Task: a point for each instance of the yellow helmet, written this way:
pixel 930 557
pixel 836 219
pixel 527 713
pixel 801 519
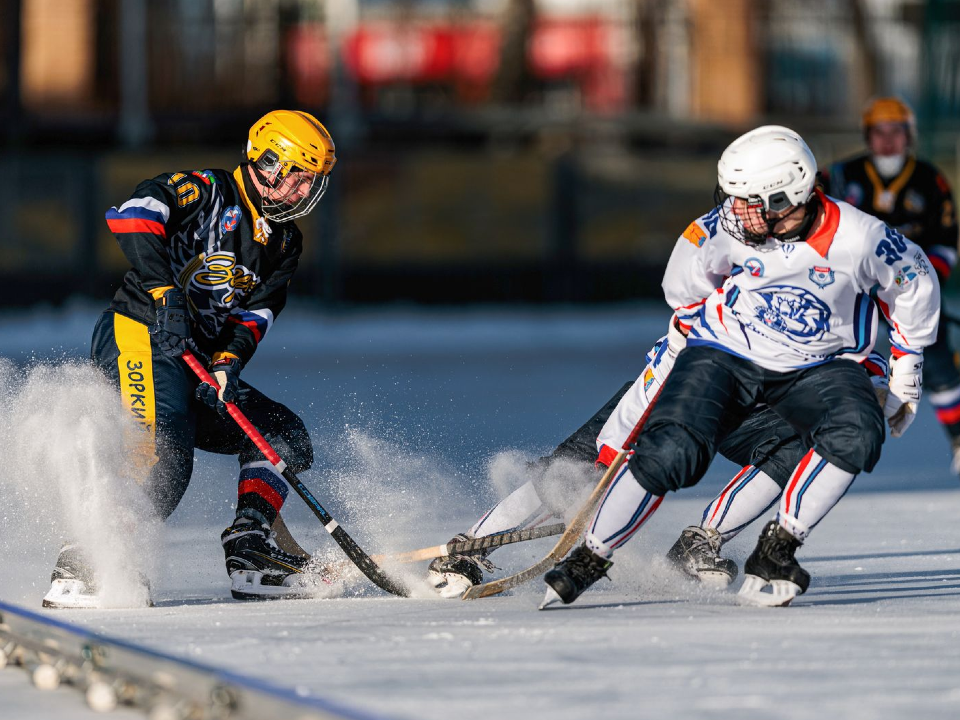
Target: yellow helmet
pixel 889 110
pixel 292 155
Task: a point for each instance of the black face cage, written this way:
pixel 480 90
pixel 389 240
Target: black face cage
pixel 733 225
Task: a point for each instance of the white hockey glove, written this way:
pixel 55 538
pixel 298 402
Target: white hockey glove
pixel 676 340
pixel 903 396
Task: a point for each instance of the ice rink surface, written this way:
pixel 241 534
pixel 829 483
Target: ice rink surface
pixel 420 420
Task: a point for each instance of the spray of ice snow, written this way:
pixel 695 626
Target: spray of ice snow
pixel 68 448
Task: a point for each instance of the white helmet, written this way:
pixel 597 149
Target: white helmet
pixel 772 164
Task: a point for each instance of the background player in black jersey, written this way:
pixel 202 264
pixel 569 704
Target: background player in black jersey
pixel 913 196
pixel 211 255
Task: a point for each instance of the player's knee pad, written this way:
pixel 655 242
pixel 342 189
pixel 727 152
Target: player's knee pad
pixel 778 458
pixel 290 440
pixel 669 457
pixel 852 437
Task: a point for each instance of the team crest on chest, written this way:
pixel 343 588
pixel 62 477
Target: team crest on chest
pixel 822 276
pixel 754 267
pixel 230 219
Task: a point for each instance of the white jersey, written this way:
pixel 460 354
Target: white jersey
pixel 803 303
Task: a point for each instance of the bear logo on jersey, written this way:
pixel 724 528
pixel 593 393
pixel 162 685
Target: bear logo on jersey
pixel 822 276
pixel 754 267
pixel 230 219
pixel 794 312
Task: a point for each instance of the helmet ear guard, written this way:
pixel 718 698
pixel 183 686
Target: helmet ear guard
pixel 268 162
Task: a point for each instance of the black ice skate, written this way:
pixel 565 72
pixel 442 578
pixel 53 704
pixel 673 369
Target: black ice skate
pixel 259 570
pixel 773 563
pixel 72 584
pixel 696 553
pixel 451 576
pixel 571 576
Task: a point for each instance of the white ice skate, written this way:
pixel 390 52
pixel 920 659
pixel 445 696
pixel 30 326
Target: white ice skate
pixel 775 593
pixel 72 594
pixel 772 577
pixel 255 585
pixel 72 584
pixel 453 575
pixel 260 570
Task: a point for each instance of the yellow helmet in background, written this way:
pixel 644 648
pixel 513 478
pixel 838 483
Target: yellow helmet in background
pixel 889 110
pixel 292 155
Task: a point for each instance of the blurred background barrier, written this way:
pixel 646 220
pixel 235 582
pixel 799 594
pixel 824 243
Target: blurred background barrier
pixel 490 150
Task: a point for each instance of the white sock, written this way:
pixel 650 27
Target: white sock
pixel 815 487
pixel 521 509
pixel 746 497
pixel 622 511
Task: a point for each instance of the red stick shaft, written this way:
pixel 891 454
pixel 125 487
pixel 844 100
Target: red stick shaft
pixel 268 452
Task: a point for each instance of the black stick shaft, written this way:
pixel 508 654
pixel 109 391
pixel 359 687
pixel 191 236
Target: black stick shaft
pixel 494 541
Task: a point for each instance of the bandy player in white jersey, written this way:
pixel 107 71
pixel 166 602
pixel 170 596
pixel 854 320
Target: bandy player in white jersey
pixel 767 448
pixel 771 289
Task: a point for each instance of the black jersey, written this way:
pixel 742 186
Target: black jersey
pixel 917 202
pixel 197 230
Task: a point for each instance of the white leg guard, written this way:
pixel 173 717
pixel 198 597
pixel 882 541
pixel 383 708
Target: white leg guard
pixel 816 486
pixel 745 498
pixel 521 509
pixel 622 511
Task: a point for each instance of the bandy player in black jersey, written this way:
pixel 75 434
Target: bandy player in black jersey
pixel 911 195
pixel 211 255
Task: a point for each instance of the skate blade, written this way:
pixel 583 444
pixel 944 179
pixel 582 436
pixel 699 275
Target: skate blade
pixel 754 592
pixel 248 585
pixel 714 580
pixel 69 595
pixel 549 598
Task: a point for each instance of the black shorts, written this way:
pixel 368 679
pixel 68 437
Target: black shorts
pixel 709 394
pixel 764 440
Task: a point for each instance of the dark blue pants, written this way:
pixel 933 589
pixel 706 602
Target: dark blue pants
pixel 160 392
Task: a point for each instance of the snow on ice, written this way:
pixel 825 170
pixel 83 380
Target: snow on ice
pixel 420 420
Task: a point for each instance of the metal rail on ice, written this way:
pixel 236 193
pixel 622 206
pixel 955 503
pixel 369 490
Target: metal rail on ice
pixel 111 671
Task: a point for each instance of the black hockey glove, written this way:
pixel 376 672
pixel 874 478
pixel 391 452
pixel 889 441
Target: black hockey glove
pixel 226 373
pixel 172 329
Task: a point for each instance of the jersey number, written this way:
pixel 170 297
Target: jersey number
pixel 187 192
pixel 891 247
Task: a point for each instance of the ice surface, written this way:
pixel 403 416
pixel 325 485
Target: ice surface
pixel 420 420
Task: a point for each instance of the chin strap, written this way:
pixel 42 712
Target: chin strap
pixel 799 233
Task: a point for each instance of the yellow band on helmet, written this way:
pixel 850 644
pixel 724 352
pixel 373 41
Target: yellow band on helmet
pixel 295 139
pixel 889 110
